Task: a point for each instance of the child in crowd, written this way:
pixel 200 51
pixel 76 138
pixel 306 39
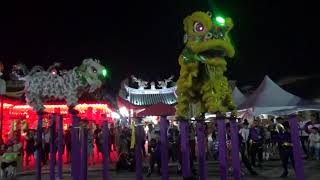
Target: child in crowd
pixel 8 162
pixel 314 143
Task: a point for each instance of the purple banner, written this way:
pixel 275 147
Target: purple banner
pixel 235 149
pixel 296 147
pixel 105 149
pixel 164 147
pixel 222 148
pixel 201 150
pixel 185 148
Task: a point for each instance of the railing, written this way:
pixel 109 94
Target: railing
pixel 79 151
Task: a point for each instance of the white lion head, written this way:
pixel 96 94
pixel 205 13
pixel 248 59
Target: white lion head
pixel 93 72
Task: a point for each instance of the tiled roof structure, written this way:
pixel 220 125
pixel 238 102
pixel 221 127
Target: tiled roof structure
pixel 147 97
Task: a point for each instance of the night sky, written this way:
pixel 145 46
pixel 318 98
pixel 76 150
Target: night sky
pixel 144 38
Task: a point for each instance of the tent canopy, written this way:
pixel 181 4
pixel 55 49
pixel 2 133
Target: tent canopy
pixel 238 96
pixel 271 97
pixel 293 110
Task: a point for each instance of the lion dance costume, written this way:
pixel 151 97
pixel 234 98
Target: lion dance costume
pixel 202 81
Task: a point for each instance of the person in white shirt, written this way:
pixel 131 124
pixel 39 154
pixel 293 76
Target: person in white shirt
pixel 314 143
pixel 151 134
pixel 244 132
pixel 313 122
pixel 303 134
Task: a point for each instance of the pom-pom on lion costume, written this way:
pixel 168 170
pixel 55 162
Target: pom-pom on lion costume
pixel 202 81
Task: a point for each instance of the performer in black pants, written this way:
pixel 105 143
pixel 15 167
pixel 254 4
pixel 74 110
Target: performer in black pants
pixel 284 146
pixel 244 158
pixel 255 138
pixel 155 156
pixel 242 148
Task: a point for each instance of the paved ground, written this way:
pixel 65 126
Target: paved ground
pixel 271 170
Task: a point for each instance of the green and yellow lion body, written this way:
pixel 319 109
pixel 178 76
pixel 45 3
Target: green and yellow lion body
pixel 202 81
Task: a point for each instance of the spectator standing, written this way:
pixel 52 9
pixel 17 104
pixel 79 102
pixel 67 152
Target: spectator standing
pixel 314 146
pixel 67 141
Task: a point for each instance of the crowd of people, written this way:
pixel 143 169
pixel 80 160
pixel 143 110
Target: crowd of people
pixel 265 140
pixel 259 141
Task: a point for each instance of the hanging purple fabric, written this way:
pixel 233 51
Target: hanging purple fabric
pixel 84 153
pixel 60 146
pixel 105 150
pixel 52 147
pixel 201 150
pixel 164 147
pixel 75 149
pixel 138 151
pixel 222 148
pixel 39 146
pixel 299 169
pixel 235 149
pixel 185 148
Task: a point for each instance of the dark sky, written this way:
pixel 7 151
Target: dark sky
pixel 145 37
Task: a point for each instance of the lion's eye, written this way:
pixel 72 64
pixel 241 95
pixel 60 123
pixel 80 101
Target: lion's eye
pixel 198 27
pixel 94 70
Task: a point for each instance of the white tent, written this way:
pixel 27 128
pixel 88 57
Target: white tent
pixel 270 97
pixel 238 96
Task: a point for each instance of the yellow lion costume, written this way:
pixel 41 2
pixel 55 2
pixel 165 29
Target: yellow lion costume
pixel 202 81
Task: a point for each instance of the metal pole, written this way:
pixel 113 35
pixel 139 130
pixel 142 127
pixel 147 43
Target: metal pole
pixel 84 153
pixel 138 151
pixel 201 150
pixel 164 148
pixel 60 146
pixel 235 149
pixel 222 148
pixel 185 148
pixel 75 149
pixel 39 146
pixel 296 147
pixel 52 147
pixel 105 149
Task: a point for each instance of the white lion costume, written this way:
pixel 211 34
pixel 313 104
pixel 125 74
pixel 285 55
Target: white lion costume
pixel 68 85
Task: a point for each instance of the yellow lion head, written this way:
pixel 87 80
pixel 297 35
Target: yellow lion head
pixel 207 37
